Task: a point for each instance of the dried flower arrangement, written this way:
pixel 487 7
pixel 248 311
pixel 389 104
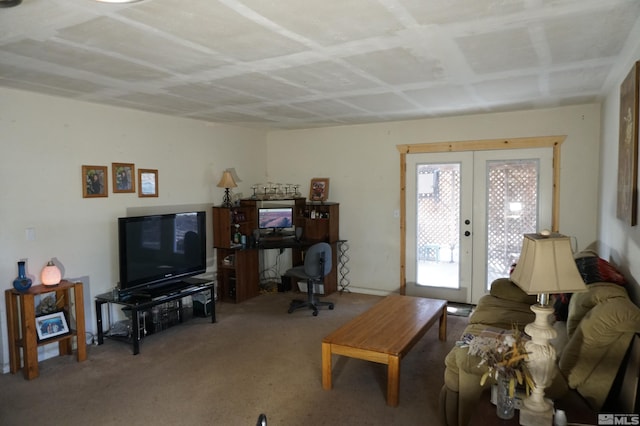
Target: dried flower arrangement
pixel 504 354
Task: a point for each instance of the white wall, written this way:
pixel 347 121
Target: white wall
pixel 619 242
pixel 44 141
pixel 363 165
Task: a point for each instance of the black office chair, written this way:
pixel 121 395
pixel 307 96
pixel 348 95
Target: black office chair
pixel 317 264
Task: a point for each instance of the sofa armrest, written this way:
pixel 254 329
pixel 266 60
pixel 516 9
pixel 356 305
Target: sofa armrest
pixel 592 357
pixel 501 313
pixel 504 288
pixel 583 302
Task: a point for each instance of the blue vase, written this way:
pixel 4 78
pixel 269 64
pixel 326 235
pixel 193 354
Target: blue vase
pixel 22 282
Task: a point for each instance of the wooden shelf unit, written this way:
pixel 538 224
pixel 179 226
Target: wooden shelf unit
pixel 21 325
pixel 321 221
pixel 238 279
pixel 233 264
pixel 225 219
pixel 237 273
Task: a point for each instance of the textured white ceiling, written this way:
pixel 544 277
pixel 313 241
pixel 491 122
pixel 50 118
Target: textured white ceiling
pixel 309 63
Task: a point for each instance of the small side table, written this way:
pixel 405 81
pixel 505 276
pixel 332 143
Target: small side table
pixel 21 325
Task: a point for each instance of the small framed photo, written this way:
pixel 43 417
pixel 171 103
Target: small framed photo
pixel 147 183
pixel 123 177
pixel 95 182
pixel 319 190
pixel 51 325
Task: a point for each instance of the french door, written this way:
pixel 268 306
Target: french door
pixel 466 213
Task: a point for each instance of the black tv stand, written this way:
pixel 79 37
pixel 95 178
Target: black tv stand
pixel 144 300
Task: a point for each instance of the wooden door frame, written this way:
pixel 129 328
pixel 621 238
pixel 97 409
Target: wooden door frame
pixel 475 145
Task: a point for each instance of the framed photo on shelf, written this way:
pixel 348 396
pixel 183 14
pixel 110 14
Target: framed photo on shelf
pixel 123 177
pixel 319 189
pixel 51 325
pixel 94 181
pixel 627 202
pixel 147 183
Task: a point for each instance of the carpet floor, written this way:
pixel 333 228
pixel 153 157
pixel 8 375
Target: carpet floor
pixel 255 359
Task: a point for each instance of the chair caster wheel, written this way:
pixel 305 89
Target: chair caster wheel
pixel 315 313
pixel 331 307
pixel 290 310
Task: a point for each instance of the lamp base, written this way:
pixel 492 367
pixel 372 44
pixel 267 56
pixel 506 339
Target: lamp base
pixel 226 200
pixel 536 409
pixel 531 417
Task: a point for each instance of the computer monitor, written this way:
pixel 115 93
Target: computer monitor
pixel 276 218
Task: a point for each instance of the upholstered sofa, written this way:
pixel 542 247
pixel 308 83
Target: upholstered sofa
pixel 592 340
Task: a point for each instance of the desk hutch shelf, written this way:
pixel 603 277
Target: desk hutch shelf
pixel 238 274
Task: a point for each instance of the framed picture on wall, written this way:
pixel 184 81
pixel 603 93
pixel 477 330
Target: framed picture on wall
pixel 627 203
pixel 319 189
pixel 147 183
pixel 51 325
pixel 123 177
pixel 94 181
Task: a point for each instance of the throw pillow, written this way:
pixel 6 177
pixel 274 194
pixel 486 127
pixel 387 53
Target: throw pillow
pixel 593 270
pixel 596 269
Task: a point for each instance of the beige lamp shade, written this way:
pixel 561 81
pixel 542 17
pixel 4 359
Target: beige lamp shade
pixel 226 181
pixel 547 265
pixel 51 274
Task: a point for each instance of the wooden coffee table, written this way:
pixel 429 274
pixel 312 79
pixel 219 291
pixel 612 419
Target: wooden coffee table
pixel 385 334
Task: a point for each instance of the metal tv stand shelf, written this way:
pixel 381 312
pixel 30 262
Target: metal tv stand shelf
pixel 141 302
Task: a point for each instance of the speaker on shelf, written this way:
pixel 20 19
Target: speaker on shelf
pixel 256 235
pixel 299 230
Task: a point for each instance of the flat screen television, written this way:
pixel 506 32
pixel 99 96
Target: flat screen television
pixel 158 250
pixel 276 218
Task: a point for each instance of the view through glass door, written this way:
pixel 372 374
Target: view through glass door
pixel 466 214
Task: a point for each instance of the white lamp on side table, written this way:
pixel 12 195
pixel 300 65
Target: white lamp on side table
pixel 546 266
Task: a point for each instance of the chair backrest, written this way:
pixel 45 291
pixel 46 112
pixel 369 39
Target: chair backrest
pixel 317 261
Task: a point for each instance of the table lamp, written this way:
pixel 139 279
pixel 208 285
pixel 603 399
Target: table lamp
pixel 51 274
pixel 226 182
pixel 546 266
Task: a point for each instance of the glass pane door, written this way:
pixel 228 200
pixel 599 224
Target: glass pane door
pixel 439 188
pixel 512 210
pixel 438 229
